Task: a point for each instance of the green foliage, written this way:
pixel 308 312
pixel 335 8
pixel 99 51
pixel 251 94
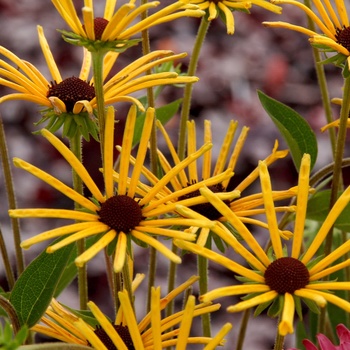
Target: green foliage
pixel 81 123
pixel 318 209
pixel 297 133
pixel 10 342
pixel 98 45
pixel 37 284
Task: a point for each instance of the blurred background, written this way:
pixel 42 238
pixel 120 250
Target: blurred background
pixel 231 70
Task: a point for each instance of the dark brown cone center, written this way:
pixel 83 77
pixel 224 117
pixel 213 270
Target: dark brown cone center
pixel 206 209
pixel 71 90
pixel 343 37
pixel 121 213
pixel 100 25
pixel 123 332
pixel 286 275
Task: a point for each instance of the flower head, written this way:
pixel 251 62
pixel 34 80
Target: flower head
pixel 116 27
pixel 207 171
pixel 152 332
pixel 278 277
pixel 224 8
pixel 332 21
pixel 118 215
pixel 71 101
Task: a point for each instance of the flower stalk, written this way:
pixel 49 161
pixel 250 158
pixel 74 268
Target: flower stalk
pixel 186 103
pixel 97 67
pixel 76 148
pixel 12 205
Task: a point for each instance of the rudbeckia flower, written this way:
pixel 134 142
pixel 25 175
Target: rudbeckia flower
pixel 116 216
pixel 116 27
pixel 332 20
pixel 152 332
pixel 243 206
pixel 277 277
pixel 72 100
pixel 224 8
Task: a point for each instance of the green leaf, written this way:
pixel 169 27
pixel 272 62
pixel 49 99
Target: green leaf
pixel 164 114
pixel 297 133
pixel 301 334
pixel 318 209
pixel 36 286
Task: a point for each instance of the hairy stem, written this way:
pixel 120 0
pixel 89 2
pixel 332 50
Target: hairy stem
pixel 186 103
pixel 11 203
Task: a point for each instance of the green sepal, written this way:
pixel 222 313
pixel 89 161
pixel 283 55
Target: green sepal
pixel 140 243
pixel 313 262
pixel 271 254
pixel 112 245
pixel 297 133
pixel 262 307
pixel 246 280
pixel 220 243
pixel 86 315
pixel 277 307
pixel 297 306
pixel 337 60
pixel 35 287
pixel 312 305
pixel 98 45
pixel 72 123
pixel 234 232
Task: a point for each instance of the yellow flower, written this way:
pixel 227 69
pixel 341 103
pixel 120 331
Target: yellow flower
pixel 224 8
pixel 332 20
pixel 152 332
pixel 114 218
pixel 243 206
pixel 74 98
pixel 116 27
pixel 279 277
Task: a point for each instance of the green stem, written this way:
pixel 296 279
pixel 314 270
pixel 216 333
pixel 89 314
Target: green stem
pixel 203 287
pixel 151 274
pixel 337 178
pixel 146 48
pixel 97 66
pixel 7 265
pixel 243 329
pixel 279 342
pixel 75 146
pixel 11 200
pixel 322 83
pixel 171 281
pixel 127 281
pixel 11 313
pixel 186 103
pixel 339 153
pixel 111 278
